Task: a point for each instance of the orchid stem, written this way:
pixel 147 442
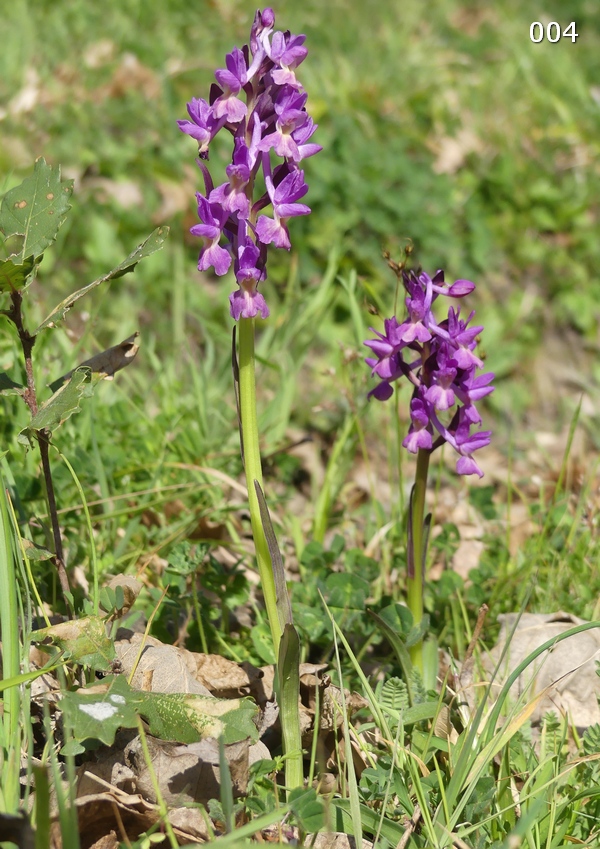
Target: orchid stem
pixel 416 576
pixel 253 469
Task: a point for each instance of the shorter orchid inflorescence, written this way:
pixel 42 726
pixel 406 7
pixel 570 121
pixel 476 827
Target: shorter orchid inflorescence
pixel 439 360
pixel 272 117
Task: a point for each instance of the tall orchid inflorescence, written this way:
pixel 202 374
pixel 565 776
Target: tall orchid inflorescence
pixel 261 103
pixel 439 361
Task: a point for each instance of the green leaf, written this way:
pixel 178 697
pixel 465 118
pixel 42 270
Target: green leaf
pixel 262 641
pixel 16 275
pixel 348 592
pixel 36 209
pixel 34 552
pixel 175 717
pixel 98 716
pixel 372 822
pixel 85 640
pixel 152 244
pixel 60 406
pixel 8 386
pixel 308 808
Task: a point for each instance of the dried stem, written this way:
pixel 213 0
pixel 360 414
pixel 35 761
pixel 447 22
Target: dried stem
pixel 43 436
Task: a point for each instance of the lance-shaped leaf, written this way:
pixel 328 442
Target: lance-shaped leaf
pixel 16 275
pixel 84 640
pixel 152 244
pixel 59 407
pixel 105 364
pixel 36 209
pixel 99 712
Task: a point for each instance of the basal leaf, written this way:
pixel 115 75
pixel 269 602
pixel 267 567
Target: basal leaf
pixel 60 406
pixel 36 209
pixel 84 639
pixel 152 244
pixel 16 275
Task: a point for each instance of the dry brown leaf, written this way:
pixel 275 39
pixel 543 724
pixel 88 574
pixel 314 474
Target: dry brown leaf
pixel 173 668
pixel 569 669
pixel 108 362
pixel 224 678
pixel 186 773
pixel 131 589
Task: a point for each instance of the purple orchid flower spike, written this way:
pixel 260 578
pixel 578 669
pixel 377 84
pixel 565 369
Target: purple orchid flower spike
pixel 443 371
pixel 259 100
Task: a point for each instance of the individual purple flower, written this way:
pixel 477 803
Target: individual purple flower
pixel 418 304
pixel 461 338
pixel 386 346
pixel 231 79
pixel 291 116
pixel 287 52
pixel 203 125
pixel 232 195
pixel 247 302
pixel 284 199
pixel 419 434
pixel 213 218
pixel 441 392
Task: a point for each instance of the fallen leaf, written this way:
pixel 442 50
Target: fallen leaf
pixel 569 669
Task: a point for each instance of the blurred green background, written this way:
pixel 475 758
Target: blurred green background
pixel 446 126
pixel 443 124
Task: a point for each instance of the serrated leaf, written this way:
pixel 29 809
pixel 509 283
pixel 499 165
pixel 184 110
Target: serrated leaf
pixel 98 715
pixel 84 639
pixel 183 718
pixel 16 275
pixel 8 386
pixel 36 209
pixel 106 363
pixel 152 244
pixel 59 407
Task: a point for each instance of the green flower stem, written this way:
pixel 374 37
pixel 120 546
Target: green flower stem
pixel 253 469
pixel 10 735
pixel 415 583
